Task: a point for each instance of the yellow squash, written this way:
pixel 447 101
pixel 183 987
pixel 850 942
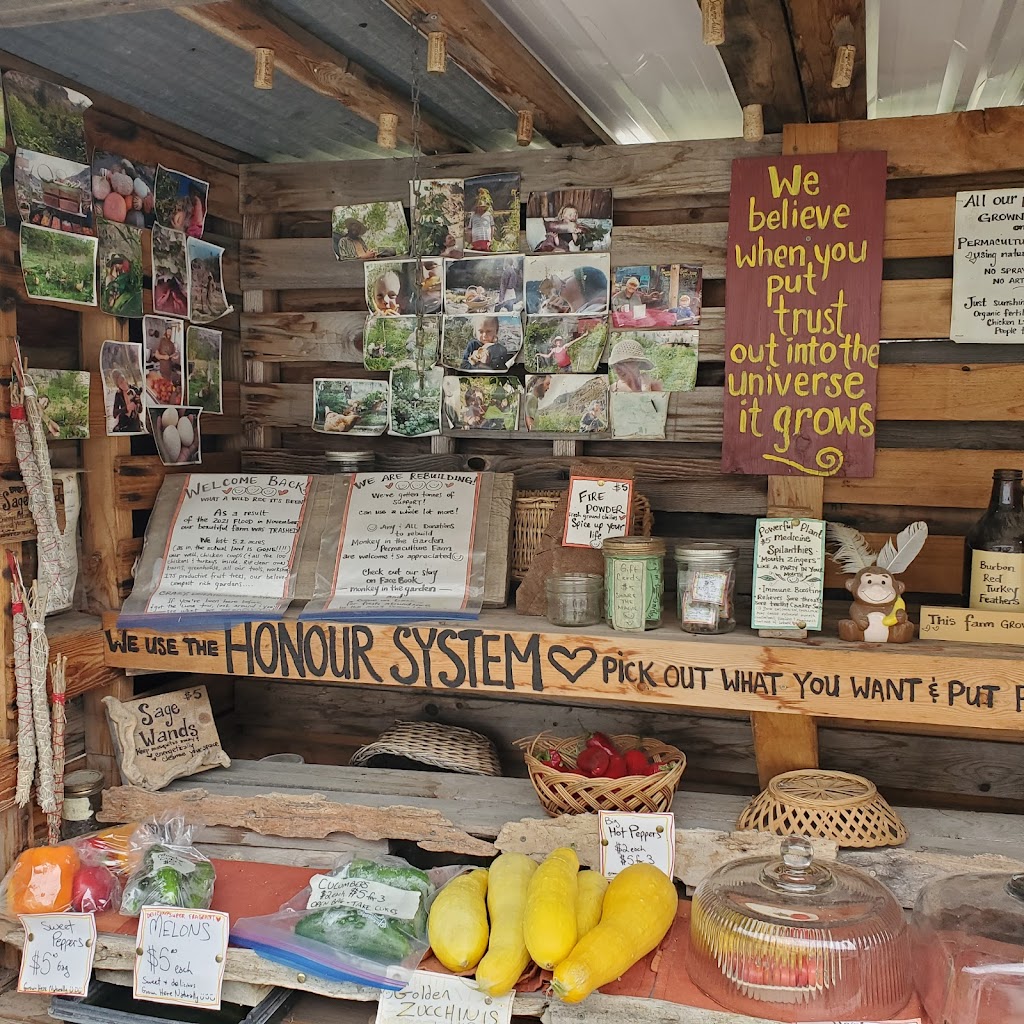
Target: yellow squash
pixel 457 926
pixel 506 957
pixel 592 886
pixel 639 908
pixel 549 927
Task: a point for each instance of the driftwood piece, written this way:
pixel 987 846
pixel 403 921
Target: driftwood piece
pixel 300 816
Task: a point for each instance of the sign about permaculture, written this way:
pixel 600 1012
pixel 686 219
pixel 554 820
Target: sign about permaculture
pixel 789 574
pixel 804 283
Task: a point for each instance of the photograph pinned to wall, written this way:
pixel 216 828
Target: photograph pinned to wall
pixel 122 190
pixel 164 343
pixel 564 344
pixel 569 220
pixel 369 231
pixel 643 361
pixel 481 341
pixel 53 193
pixel 123 377
pixel 58 266
pixel 668 295
pixel 64 403
pixel 638 416
pixel 437 216
pixel 567 403
pixel 207 299
pixel 415 401
pixel 203 366
pixel 566 283
pixel 177 434
pixel 485 284
pixel 492 213
pixel 481 403
pixel 180 201
pixel 390 341
pixel 46 117
pixel 350 406
pixel 170 272
pixel 3 163
pixel 120 263
pixel 404 287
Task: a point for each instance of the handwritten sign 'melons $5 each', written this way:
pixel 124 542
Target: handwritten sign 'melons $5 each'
pixel 803 284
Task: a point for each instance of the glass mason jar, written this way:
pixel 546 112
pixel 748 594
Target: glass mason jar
pixel 706 587
pixel 349 462
pixel 634 582
pixel 82 794
pixel 574 598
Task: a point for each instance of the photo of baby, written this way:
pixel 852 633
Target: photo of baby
pixel 573 403
pixel 369 231
pixel 564 344
pixel 481 341
pixel 481 403
pixel 487 284
pixel 641 361
pixel 560 283
pixel 569 220
pixel 657 296
pixel 181 201
pixel 403 287
pixel 492 213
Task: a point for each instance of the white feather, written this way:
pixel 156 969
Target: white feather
pixel 850 551
pixel 908 546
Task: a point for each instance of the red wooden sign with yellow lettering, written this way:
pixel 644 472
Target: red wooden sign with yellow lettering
pixel 803 294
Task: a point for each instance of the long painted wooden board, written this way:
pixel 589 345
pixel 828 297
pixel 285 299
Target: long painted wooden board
pixel 502 654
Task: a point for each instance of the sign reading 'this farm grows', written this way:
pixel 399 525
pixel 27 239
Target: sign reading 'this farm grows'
pixel 803 284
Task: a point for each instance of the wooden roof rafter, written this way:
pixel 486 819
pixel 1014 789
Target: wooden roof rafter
pixel 19 13
pixel 303 57
pixel 492 55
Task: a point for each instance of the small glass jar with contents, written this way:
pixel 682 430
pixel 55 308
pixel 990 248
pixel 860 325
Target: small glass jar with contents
pixel 574 598
pixel 706 587
pixel 82 794
pixel 633 582
pixel 349 462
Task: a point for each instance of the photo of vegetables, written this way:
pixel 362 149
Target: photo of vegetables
pixel 203 359
pixel 63 402
pixel 416 401
pixel 47 117
pixel 120 259
pixel 58 266
pixel 122 190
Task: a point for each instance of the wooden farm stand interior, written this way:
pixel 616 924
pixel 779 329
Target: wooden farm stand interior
pixel 934 735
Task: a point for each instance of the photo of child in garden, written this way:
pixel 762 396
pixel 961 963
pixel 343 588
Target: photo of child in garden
pixel 569 220
pixel 181 201
pixel 492 213
pixel 481 341
pixel 369 231
pixel 564 344
pixel 481 403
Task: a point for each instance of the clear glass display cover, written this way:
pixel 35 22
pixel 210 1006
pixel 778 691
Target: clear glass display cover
pixel 967 936
pixel 796 940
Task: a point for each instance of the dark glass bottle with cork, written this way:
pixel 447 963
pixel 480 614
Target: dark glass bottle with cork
pixel 994 548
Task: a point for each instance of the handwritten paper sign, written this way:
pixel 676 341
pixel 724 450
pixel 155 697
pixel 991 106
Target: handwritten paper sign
pixel 789 574
pixel 439 997
pixel 232 545
pixel 179 956
pixel 972 626
pixel 804 278
pixel 988 266
pixel 329 891
pixel 636 839
pixel 407 545
pixel 58 953
pixel 16 522
pixel 166 737
pixel 597 509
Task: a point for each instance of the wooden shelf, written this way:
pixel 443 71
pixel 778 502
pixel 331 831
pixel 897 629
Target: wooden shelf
pixel 80 639
pixel 502 654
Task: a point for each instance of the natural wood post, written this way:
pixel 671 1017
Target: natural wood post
pixel 99 746
pixel 254 370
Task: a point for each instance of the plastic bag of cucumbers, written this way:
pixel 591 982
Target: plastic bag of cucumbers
pixel 365 921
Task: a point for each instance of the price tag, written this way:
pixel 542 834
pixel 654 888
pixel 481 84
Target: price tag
pixel 58 953
pixel 440 997
pixel 636 839
pixel 179 956
pixel 362 894
pixel 597 509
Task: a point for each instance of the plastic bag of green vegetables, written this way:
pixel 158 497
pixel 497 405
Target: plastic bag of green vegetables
pixel 365 921
pixel 169 871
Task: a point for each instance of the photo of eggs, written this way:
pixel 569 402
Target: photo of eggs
pixel 176 432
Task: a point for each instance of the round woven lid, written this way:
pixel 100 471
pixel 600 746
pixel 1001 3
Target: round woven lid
pixel 448 747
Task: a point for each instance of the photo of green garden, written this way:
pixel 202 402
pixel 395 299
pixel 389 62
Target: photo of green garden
pixel 58 266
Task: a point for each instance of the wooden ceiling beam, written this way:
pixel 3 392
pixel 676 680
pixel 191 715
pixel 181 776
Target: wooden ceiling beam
pixel 19 13
pixel 494 57
pixel 819 28
pixel 758 56
pixel 301 56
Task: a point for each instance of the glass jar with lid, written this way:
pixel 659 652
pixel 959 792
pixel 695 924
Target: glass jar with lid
pixel 967 939
pixel 83 792
pixel 349 462
pixel 798 940
pixel 574 598
pixel 633 582
pixel 706 587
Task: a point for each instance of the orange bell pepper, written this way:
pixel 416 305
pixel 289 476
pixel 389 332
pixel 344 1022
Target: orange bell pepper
pixel 40 881
pixel 110 847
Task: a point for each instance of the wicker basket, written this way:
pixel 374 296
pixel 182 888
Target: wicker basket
pixel 532 513
pixel 576 794
pixel 431 743
pixel 829 805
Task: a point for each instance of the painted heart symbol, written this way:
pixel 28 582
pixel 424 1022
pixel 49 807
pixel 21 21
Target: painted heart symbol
pixel 228 490
pixel 450 486
pixel 283 493
pixel 388 487
pixel 568 662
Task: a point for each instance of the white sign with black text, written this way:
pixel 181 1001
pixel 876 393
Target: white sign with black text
pixel 56 959
pixel 636 839
pixel 440 997
pixel 597 509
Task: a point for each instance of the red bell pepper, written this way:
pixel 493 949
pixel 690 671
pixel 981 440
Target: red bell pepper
pixel 603 742
pixel 553 759
pixel 593 762
pixel 616 768
pixel 636 762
